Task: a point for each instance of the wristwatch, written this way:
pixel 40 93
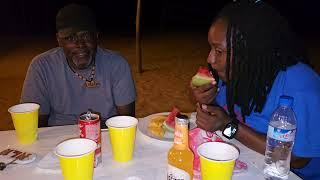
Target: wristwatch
pixel 231 129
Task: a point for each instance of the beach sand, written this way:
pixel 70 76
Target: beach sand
pixel 169 62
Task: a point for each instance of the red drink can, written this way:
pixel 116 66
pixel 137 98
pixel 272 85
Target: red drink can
pixel 89 126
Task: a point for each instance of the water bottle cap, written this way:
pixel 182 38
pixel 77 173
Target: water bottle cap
pixel 286 101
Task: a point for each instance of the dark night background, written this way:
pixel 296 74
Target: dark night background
pixel 37 17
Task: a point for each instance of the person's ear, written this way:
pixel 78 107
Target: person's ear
pixel 58 40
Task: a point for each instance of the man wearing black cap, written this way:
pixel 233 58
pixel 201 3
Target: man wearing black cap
pixel 79 75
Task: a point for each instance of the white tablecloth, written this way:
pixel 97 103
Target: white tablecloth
pixel 149 162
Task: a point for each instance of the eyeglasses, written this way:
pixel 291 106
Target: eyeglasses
pixel 83 36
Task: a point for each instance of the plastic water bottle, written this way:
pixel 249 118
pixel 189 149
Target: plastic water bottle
pixel 280 139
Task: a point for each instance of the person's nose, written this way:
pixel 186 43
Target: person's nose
pixel 211 57
pixel 81 42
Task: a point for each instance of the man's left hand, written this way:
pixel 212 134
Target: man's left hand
pixel 211 118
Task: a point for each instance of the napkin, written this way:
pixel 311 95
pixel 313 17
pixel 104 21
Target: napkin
pixel 198 136
pixel 10 154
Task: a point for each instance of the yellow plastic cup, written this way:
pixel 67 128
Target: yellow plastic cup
pixel 76 158
pixel 217 160
pixel 25 121
pixel 122 130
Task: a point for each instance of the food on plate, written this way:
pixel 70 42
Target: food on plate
pixel 155 125
pixel 162 125
pixel 169 123
pixel 202 77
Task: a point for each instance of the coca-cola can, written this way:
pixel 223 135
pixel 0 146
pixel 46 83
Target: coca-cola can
pixel 89 126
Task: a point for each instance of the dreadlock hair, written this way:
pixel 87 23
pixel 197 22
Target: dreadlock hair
pixel 259 45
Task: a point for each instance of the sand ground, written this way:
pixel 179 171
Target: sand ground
pixel 169 61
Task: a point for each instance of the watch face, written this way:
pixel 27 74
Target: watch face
pixel 227 131
pixel 230 130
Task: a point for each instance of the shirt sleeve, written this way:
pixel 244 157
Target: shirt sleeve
pixel 306 108
pixel 35 87
pixel 122 84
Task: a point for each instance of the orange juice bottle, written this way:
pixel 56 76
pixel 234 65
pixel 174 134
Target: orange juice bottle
pixel 180 157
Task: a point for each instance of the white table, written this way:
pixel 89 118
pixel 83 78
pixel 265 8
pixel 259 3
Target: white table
pixel 149 162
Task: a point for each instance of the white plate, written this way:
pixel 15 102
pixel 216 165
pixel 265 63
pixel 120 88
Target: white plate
pixel 144 122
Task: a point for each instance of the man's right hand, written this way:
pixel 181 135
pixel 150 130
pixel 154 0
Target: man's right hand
pixel 204 94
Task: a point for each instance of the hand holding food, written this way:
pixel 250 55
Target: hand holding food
pixel 202 77
pixel 203 86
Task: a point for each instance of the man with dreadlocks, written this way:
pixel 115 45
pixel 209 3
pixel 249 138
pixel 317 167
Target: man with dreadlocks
pixel 258 59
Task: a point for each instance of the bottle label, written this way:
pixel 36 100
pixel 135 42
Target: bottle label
pixel 281 134
pixel 177 174
pixel 181 137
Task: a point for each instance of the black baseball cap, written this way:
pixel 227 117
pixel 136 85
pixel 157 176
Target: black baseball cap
pixel 74 18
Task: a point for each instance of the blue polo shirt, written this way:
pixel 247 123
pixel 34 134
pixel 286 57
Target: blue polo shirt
pixel 303 84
